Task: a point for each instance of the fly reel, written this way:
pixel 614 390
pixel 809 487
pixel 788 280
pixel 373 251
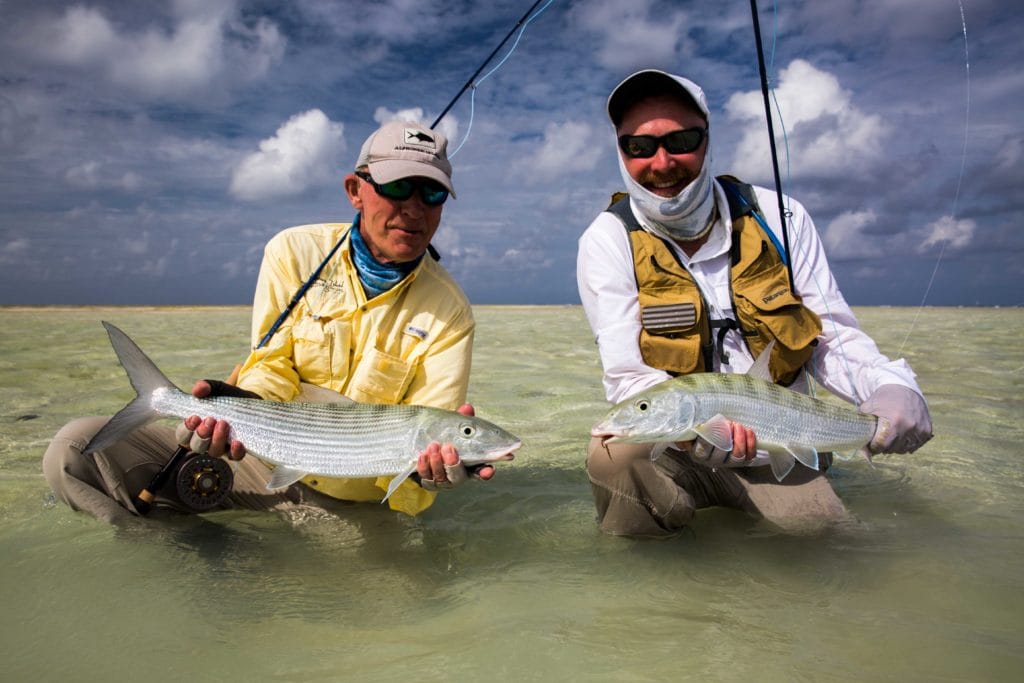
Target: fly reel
pixel 204 482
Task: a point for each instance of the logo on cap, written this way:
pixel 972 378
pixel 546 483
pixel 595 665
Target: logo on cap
pixel 416 137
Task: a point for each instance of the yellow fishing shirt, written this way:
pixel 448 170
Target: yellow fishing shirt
pixel 412 344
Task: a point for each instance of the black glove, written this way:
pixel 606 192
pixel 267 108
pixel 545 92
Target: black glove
pixel 218 388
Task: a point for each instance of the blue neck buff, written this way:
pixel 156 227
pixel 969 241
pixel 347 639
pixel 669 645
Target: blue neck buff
pixel 375 276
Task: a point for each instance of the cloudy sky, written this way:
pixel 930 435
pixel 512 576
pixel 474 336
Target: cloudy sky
pixel 151 147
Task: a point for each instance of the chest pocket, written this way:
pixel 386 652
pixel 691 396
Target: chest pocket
pixel 380 377
pixel 322 350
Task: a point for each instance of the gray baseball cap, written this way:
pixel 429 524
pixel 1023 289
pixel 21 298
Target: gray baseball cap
pixel 403 149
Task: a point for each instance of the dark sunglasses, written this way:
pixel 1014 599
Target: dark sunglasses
pixel 676 142
pixel 432 193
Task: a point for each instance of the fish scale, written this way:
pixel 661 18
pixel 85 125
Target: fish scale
pixel 790 427
pixel 776 414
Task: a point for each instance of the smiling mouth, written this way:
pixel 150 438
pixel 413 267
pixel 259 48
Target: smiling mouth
pixel 663 190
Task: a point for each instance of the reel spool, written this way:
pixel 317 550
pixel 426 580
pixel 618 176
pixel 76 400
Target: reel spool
pixel 204 482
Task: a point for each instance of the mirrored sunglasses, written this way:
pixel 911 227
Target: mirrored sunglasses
pixel 676 142
pixel 431 192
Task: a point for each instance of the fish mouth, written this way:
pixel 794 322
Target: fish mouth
pixel 604 436
pixel 503 454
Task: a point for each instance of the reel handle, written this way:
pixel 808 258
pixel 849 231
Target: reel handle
pixel 143 502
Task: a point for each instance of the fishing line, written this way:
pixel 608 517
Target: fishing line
pixel 960 178
pixel 785 212
pixel 956 197
pixel 304 288
pixel 771 137
pixel 472 84
pixel 523 21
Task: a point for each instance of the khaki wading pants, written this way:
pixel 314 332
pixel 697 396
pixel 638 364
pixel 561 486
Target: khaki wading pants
pixel 104 483
pixel 637 496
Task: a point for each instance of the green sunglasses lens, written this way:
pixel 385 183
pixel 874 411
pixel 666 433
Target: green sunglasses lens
pixel 431 193
pixel 400 189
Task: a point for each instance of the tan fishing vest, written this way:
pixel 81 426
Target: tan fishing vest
pixel 677 335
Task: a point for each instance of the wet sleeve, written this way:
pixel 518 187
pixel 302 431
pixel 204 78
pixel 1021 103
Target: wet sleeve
pixel 847 361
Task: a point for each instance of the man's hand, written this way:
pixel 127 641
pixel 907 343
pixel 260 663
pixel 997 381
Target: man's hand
pixel 904 424
pixel 439 466
pixel 212 435
pixel 744 448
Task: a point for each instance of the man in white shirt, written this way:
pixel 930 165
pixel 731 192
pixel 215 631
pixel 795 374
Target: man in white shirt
pixel 685 273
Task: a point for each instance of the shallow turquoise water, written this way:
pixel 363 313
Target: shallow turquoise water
pixel 510 581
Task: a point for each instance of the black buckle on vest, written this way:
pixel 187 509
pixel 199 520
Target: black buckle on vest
pixel 723 326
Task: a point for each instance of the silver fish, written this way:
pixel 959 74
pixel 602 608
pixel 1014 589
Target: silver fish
pixel 790 426
pixel 329 439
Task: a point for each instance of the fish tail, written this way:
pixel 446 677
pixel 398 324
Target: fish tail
pixel 145 378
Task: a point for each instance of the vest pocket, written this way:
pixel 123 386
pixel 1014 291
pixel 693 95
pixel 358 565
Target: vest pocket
pixel 766 303
pixel 669 335
pixel 767 299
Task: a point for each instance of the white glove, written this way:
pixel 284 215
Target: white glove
pixel 904 424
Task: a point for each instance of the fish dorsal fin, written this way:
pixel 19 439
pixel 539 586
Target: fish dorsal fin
pixel 399 478
pixel 284 476
pixel 717 431
pixel 760 368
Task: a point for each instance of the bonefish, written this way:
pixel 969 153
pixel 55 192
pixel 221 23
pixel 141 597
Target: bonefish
pixel 329 439
pixel 790 426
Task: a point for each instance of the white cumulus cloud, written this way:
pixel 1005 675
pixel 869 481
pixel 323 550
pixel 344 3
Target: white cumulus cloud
pixel 206 44
pixel 304 153
pixel 632 33
pixel 845 236
pixel 825 133
pixel 956 233
pixel 568 147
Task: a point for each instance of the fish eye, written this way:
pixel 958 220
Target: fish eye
pixel 642 405
pixel 468 430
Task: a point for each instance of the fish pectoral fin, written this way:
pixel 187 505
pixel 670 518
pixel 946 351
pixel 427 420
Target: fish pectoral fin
pixel 659 449
pixel 807 455
pixel 284 476
pixel 717 431
pixel 760 368
pixel 782 463
pixel 399 478
pixel 784 458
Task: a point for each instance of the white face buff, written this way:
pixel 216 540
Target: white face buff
pixel 684 217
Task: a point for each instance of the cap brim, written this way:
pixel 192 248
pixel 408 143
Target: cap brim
pixel 642 82
pixel 396 169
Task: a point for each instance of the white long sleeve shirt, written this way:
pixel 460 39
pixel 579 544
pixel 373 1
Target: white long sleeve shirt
pixel 846 361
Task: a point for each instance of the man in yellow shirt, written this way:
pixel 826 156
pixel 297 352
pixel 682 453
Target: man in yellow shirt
pixel 362 310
